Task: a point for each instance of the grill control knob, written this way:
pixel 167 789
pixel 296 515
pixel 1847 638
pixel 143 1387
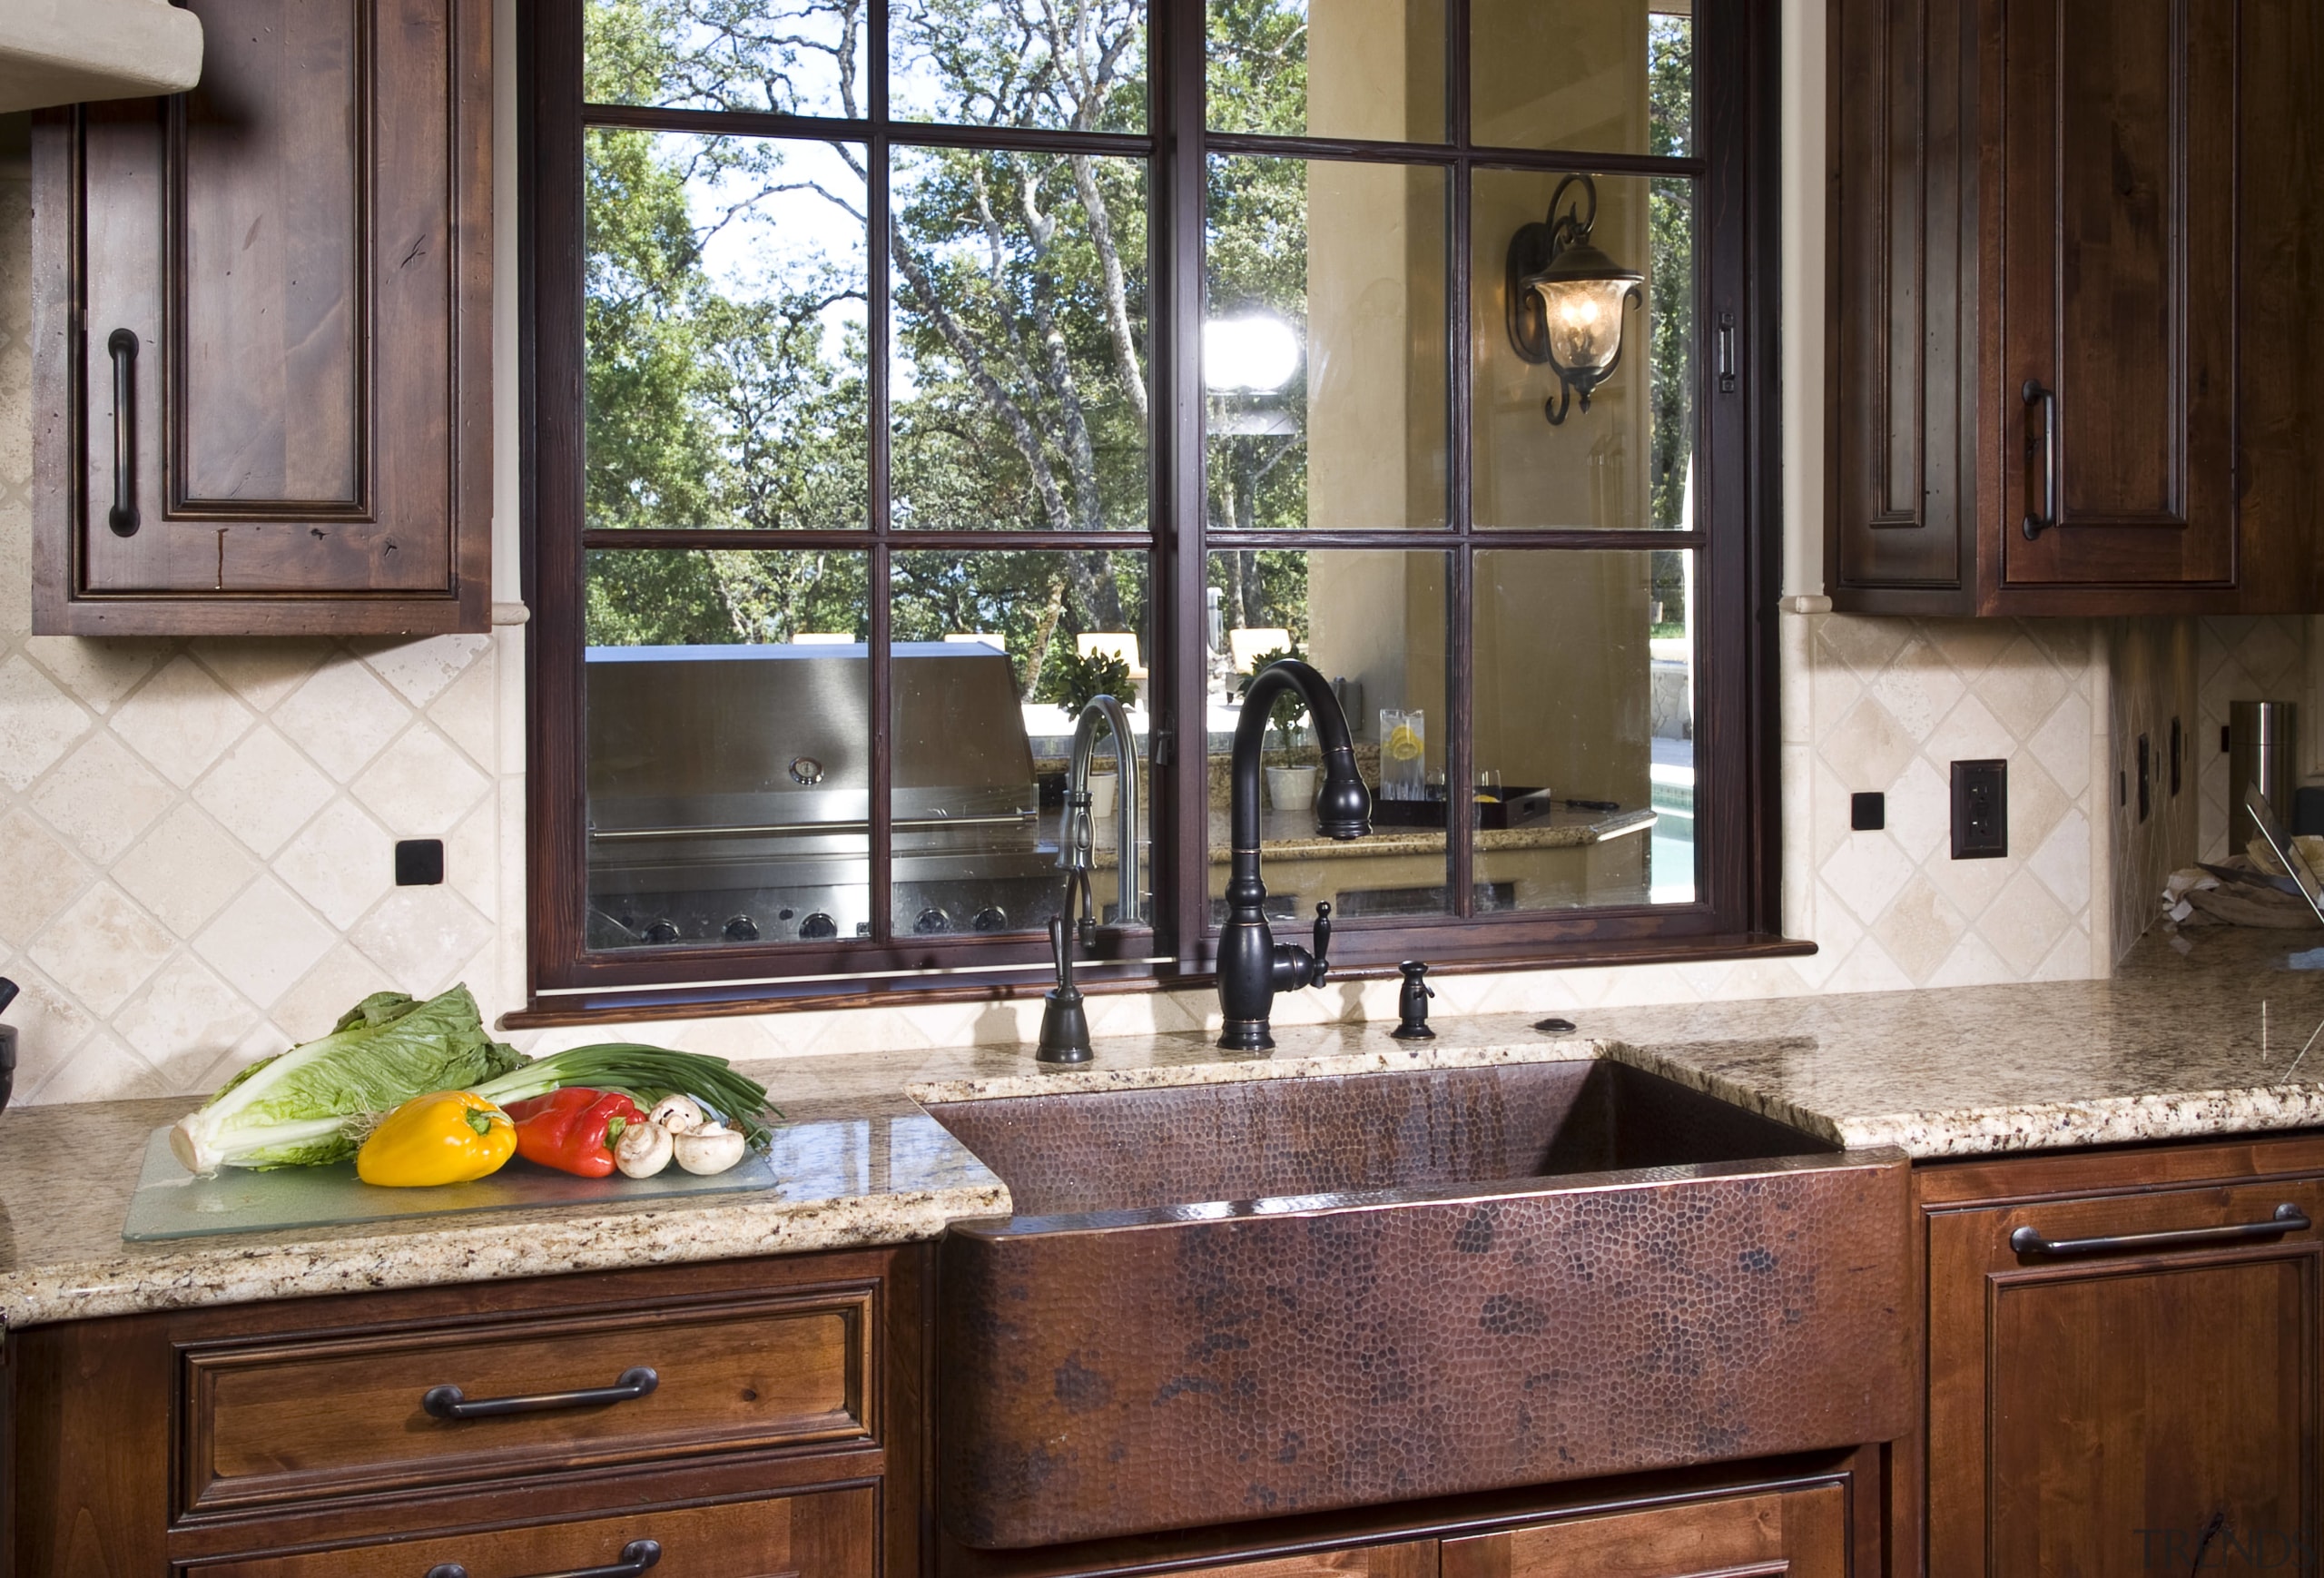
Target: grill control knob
pixel 662 930
pixel 818 928
pixel 741 928
pixel 931 922
pixel 991 918
pixel 806 770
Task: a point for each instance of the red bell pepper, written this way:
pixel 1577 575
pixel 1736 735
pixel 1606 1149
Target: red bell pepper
pixel 573 1129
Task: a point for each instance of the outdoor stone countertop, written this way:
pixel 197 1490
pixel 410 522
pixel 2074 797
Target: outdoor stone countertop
pixel 2209 1033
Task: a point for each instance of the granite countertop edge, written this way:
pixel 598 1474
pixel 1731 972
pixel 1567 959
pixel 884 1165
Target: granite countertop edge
pixel 295 1263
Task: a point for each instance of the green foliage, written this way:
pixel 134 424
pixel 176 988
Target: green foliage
pixel 1288 711
pixel 1670 229
pixel 1074 680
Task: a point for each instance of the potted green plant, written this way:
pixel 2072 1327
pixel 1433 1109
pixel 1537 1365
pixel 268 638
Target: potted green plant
pixel 1291 786
pixel 1080 679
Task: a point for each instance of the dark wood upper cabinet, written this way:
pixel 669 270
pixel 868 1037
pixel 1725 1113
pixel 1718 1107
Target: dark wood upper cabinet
pixel 2074 247
pixel 262 370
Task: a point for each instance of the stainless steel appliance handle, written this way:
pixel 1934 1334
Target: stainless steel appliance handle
pixel 121 344
pixel 2047 398
pixel 2289 1219
pixel 636 1558
pixel 803 829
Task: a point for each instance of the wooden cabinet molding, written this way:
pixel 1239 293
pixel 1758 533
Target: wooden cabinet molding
pixel 1793 1535
pixel 2110 1410
pixel 2074 332
pixel 284 280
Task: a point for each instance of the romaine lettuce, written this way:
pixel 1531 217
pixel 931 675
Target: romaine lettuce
pixel 305 1107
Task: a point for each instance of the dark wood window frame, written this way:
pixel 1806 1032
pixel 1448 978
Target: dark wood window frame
pixel 1737 812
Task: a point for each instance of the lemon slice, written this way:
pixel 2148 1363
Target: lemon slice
pixel 1403 745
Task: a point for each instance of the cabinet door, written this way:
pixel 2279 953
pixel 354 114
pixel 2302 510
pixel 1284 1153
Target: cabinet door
pixel 1800 1534
pixel 2116 402
pixel 2153 1407
pixel 264 356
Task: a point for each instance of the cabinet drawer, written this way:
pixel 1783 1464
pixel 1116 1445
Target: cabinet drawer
pixel 288 1420
pixel 1801 1533
pixel 824 1534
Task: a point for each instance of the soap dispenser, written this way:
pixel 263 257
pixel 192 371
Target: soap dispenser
pixel 1412 1004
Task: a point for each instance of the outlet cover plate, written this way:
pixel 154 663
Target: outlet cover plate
pixel 1981 810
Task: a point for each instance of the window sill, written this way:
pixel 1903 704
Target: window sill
pixel 629 1006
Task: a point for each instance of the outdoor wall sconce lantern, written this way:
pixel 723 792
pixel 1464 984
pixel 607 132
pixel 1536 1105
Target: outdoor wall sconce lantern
pixel 1566 298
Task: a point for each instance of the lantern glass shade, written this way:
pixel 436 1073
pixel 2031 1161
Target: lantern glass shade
pixel 1583 320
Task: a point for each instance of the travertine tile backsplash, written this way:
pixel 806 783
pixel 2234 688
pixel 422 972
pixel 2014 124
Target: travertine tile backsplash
pixel 195 837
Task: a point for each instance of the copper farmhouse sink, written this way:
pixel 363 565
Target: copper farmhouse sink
pixel 1243 1300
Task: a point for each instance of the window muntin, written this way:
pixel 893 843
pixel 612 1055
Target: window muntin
pixel 957 485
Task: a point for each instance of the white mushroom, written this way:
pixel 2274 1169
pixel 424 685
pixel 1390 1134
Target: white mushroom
pixel 644 1149
pixel 675 1113
pixel 709 1148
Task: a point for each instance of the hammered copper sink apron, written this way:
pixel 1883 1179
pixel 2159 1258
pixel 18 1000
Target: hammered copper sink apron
pixel 1222 1302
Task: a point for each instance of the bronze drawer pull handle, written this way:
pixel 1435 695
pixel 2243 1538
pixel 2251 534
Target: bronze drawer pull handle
pixel 635 1557
pixel 451 1403
pixel 122 345
pixel 2289 1219
pixel 2034 394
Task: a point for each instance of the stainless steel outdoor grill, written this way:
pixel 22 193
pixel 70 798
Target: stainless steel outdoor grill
pixel 730 796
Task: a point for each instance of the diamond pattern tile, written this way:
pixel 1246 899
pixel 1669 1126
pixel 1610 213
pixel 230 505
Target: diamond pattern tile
pixel 192 832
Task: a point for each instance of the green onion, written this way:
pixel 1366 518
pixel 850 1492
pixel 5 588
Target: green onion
pixel 643 1071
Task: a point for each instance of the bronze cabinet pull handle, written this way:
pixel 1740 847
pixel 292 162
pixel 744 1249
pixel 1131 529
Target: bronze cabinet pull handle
pixel 451 1403
pixel 2289 1219
pixel 635 1557
pixel 121 344
pixel 2047 398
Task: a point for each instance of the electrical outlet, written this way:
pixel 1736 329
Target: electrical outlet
pixel 1980 810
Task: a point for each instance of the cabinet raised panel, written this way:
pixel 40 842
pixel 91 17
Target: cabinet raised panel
pixel 2073 330
pixel 262 367
pixel 2118 1408
pixel 1800 1534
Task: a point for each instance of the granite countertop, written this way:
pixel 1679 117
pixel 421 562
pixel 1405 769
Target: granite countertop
pixel 2208 1033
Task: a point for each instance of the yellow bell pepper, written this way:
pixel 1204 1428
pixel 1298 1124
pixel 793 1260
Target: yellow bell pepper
pixel 450 1137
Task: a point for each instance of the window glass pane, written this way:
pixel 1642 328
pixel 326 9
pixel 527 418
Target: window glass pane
pixel 1585 707
pixel 729 757
pixel 1602 75
pixel 1071 64
pixel 1021 381
pixel 1627 461
pixel 1342 68
pixel 1325 354
pixel 724 314
pixel 1373 623
pixel 995 654
pixel 799 57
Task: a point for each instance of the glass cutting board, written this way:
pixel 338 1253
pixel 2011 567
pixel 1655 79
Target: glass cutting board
pixel 804 1162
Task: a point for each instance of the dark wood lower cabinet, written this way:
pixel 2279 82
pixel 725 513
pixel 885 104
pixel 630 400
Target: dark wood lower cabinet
pixel 1802 1533
pixel 2124 1364
pixel 820 1534
pixel 782 1436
